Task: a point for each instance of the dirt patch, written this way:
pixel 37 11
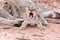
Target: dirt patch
pixel 52 32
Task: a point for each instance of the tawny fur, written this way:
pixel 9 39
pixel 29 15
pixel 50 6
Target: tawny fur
pixel 36 19
pixel 6 17
pixel 17 5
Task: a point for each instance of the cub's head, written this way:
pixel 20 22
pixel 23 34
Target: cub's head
pixel 31 12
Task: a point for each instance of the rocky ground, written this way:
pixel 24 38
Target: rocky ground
pixel 50 4
pixel 51 32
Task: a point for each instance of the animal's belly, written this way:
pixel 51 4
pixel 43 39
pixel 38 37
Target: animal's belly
pixel 32 23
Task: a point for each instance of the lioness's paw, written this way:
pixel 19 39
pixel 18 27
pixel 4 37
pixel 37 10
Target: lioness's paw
pixel 22 28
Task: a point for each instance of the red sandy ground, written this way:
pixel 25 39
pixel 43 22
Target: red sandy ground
pixel 51 32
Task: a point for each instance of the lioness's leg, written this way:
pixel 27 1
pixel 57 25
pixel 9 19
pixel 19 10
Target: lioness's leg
pixel 14 12
pixel 7 21
pixel 6 14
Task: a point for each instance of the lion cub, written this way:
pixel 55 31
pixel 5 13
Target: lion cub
pixel 32 18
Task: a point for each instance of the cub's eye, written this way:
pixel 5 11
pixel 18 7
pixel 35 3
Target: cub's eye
pixel 6 3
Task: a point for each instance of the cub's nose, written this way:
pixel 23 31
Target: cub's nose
pixel 18 24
